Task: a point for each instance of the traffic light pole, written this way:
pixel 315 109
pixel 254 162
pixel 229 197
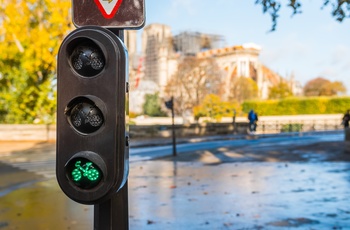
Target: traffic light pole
pixel 113 214
pixel 173 128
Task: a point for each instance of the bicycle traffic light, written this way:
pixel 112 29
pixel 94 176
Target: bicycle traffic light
pixel 92 144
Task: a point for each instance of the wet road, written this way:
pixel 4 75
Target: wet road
pixel 250 141
pixel 241 196
pixel 283 183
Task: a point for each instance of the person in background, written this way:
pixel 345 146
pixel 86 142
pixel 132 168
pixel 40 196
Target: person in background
pixel 253 118
pixel 256 121
pixel 346 119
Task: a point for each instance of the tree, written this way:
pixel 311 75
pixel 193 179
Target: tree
pixel 152 106
pixel 280 91
pixel 340 10
pixel 323 87
pixel 243 88
pixel 338 88
pixel 212 106
pixel 194 79
pixel 31 32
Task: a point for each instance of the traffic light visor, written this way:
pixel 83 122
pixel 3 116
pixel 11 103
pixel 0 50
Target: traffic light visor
pixel 84 115
pixel 86 57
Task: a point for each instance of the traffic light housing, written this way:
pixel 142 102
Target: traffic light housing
pixel 170 104
pixel 92 92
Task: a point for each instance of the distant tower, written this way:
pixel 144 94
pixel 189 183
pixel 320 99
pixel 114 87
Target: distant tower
pixel 191 43
pixel 130 40
pixel 295 85
pixel 156 49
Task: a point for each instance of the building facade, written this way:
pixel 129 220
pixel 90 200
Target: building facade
pixel 161 53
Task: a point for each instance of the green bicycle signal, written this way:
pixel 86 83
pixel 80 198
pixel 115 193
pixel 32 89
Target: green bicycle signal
pixel 84 173
pixel 88 171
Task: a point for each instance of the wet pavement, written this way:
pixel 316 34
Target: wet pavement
pixel 301 186
pixel 241 196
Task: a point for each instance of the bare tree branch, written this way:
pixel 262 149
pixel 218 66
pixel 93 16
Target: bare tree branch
pixel 340 9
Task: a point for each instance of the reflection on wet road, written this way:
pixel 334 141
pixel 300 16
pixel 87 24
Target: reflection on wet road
pixel 42 206
pixel 173 195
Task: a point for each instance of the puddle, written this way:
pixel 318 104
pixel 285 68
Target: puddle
pixel 293 222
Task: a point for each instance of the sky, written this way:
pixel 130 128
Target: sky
pixel 311 44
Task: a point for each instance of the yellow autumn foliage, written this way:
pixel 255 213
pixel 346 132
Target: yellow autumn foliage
pixel 35 29
pixel 31 32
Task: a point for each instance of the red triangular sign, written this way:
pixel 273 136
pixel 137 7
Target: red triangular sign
pixel 108 8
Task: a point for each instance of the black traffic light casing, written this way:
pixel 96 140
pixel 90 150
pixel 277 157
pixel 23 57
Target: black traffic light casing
pixel 170 104
pixel 92 144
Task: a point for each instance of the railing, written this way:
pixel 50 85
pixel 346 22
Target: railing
pixel 266 125
pixel 298 126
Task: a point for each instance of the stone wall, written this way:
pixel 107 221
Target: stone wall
pixel 27 132
pixel 205 129
pixel 161 127
pixel 48 132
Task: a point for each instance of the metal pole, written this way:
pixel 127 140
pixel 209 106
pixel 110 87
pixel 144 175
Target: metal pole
pixel 234 121
pixel 263 127
pixel 113 214
pixel 173 127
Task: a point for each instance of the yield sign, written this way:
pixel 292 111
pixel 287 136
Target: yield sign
pixel 123 14
pixel 108 8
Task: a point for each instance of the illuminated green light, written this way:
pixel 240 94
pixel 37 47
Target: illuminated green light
pixel 84 173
